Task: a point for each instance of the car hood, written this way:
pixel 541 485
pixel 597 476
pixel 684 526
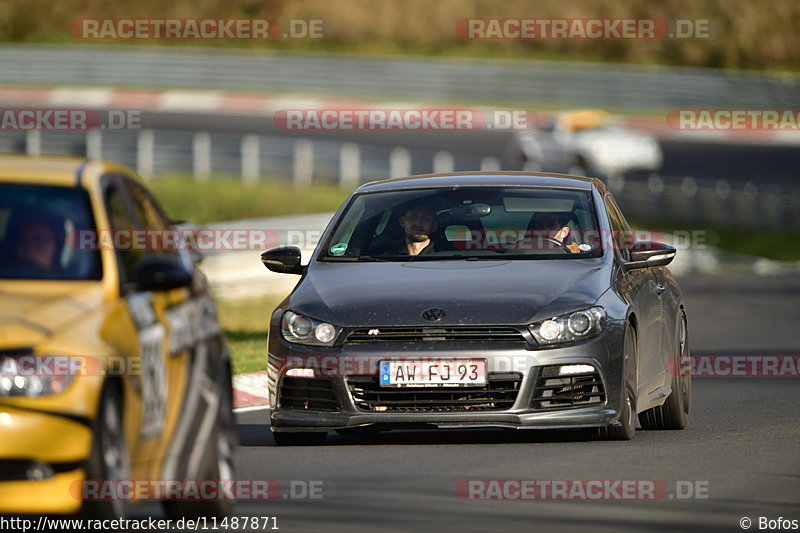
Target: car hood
pixel 32 311
pixel 469 292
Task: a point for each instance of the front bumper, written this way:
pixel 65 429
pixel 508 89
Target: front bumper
pixel 604 352
pixel 59 443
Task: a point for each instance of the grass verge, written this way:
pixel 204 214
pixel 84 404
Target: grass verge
pixel 245 324
pixel 734 34
pixel 782 245
pixel 216 200
pixel 777 245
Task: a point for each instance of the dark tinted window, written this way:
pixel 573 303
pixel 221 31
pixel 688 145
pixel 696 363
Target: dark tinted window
pixel 47 233
pixel 619 227
pixel 121 222
pixel 148 213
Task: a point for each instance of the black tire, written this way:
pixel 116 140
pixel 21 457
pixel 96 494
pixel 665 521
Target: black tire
pixel 109 459
pixel 674 412
pixel 627 427
pixel 218 462
pixel 299 439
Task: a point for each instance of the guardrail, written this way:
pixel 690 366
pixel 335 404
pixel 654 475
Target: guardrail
pixel 654 199
pixel 513 82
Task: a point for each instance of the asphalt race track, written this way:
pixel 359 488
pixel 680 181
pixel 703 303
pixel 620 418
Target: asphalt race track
pixel 740 451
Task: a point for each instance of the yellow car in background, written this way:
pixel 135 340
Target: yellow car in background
pixel 149 395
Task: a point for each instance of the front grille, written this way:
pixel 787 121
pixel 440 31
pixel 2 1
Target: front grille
pixel 435 334
pixel 29 470
pixel 11 470
pixel 15 351
pixel 553 391
pixel 312 394
pixel 499 394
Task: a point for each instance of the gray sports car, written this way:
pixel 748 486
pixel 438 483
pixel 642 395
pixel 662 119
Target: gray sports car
pixel 586 142
pixel 478 299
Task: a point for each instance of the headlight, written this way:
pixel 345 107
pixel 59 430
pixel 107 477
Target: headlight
pixel 303 330
pixel 571 327
pixel 25 376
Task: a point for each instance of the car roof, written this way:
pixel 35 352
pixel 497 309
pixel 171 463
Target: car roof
pixel 485 178
pixel 62 171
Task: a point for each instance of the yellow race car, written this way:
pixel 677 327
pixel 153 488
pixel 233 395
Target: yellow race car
pixel 112 362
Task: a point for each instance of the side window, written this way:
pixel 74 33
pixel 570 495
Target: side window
pixel 120 221
pixel 149 216
pixel 145 208
pixel 350 233
pixel 619 227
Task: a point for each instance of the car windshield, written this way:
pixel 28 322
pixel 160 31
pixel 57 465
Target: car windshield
pixel 39 229
pixel 466 223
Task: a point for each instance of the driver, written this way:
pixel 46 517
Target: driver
pixel 31 248
pixel 37 246
pixel 554 226
pixel 418 224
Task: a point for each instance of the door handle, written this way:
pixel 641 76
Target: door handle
pixel 660 289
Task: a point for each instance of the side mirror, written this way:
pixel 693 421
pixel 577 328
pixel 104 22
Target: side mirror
pixel 160 273
pixel 650 254
pixel 283 260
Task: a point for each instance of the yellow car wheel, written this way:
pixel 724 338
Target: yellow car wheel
pixel 217 463
pixel 109 461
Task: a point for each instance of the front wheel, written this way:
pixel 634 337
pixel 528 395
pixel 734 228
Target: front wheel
pixel 674 412
pixel 218 462
pixel 627 419
pixel 109 461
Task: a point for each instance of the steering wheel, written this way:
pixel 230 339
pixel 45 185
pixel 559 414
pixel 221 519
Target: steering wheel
pixel 561 245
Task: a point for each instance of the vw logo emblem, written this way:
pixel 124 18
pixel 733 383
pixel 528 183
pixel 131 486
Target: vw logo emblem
pixel 434 314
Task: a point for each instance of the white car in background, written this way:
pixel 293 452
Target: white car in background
pixel 586 142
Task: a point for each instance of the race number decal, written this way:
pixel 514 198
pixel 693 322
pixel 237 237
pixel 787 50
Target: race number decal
pixel 191 323
pixel 153 378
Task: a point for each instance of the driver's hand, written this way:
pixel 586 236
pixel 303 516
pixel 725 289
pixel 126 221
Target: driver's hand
pixel 561 234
